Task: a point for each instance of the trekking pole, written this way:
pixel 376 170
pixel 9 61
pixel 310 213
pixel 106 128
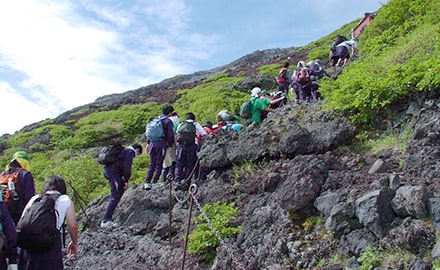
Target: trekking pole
pixel 192 192
pixel 79 199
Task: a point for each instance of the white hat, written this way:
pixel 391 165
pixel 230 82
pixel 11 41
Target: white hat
pixel 255 91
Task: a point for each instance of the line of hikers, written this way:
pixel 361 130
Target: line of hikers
pixel 173 145
pixel 304 80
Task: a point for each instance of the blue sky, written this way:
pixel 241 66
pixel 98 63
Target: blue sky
pixel 56 55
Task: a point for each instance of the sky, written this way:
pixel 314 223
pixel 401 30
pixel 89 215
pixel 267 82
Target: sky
pixel 56 55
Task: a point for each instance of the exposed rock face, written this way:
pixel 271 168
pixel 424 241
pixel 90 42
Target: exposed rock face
pixel 296 169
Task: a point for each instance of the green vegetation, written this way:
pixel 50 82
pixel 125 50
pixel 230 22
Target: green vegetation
pixel 202 240
pixel 373 257
pixel 398 56
pixel 207 99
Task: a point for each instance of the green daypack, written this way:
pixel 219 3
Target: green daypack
pixel 246 109
pixel 186 133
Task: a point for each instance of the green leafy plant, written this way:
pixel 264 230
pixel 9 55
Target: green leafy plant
pixel 202 240
pixel 369 258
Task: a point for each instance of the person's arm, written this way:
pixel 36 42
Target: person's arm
pixel 72 248
pixel 28 186
pixel 127 162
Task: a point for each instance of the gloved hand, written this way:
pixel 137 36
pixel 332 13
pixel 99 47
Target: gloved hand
pixel 12 267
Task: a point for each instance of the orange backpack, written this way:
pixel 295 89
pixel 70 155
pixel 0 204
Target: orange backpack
pixel 7 185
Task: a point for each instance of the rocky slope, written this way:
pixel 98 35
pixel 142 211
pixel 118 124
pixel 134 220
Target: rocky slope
pixel 292 167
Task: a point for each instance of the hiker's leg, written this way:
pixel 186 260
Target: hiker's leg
pixel 191 161
pixel 178 172
pixel 159 156
pixel 116 192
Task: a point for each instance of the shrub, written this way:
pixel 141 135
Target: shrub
pixel 203 241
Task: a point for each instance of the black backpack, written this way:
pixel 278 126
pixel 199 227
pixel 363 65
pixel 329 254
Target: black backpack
pixel 109 154
pixel 186 133
pixel 37 228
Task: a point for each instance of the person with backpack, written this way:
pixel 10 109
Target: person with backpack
pixel 283 78
pixel 38 230
pixel 186 151
pixel 317 72
pixel 22 184
pixel 304 84
pixel 295 85
pixel 231 125
pixel 343 51
pixel 260 105
pixel 8 240
pixel 118 174
pixel 157 145
pixel 338 40
pixel 169 162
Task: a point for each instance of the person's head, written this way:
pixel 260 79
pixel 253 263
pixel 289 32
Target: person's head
pixel 256 91
pixel 190 116
pixel 223 115
pixel 301 64
pixel 22 159
pixel 55 183
pixel 138 148
pixel 286 65
pixel 167 110
pixel 208 124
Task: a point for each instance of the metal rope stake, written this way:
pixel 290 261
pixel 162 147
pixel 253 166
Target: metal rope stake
pixel 192 191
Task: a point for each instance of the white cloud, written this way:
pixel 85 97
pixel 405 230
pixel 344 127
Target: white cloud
pixel 66 59
pixel 18 111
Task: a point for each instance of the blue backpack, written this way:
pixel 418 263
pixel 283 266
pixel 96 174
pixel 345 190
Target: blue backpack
pixel 154 130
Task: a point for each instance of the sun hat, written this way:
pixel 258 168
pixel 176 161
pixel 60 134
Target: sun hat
pixel 255 91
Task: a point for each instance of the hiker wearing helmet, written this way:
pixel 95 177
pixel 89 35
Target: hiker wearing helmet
pixel 22 187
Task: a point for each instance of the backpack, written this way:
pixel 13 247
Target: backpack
pixel 154 130
pixel 109 154
pixel 37 228
pixel 186 133
pixel 282 76
pixel 338 40
pixel 246 109
pixel 5 187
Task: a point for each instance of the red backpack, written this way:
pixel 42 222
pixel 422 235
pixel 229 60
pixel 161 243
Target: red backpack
pixel 282 75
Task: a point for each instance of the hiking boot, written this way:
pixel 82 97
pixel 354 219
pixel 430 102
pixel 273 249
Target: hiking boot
pixel 108 224
pixel 148 186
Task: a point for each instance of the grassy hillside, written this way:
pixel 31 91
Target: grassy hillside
pixel 398 55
